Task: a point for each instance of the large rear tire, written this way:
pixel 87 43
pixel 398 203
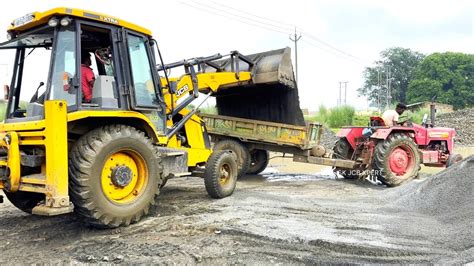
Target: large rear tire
pixel 220 176
pixel 115 175
pixel 259 160
pixel 396 160
pixel 24 201
pixel 237 148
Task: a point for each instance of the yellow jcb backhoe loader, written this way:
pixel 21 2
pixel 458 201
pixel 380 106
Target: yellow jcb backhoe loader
pixel 91 126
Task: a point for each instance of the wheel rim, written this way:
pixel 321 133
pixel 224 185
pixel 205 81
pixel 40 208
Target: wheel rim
pixel 401 160
pixel 224 174
pixel 124 176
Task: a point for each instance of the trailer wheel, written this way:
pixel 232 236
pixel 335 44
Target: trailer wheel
pixel 453 159
pixel 237 148
pixel 220 176
pixel 115 175
pixel 396 160
pixel 24 201
pixel 259 160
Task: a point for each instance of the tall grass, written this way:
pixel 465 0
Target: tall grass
pixel 335 117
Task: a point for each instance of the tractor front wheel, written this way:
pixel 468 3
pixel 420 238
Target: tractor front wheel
pixel 453 159
pixel 343 150
pixel 396 160
pixel 115 175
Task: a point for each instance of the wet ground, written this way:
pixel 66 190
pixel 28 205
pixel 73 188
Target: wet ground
pixel 271 218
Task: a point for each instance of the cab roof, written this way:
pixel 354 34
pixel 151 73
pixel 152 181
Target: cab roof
pixel 35 19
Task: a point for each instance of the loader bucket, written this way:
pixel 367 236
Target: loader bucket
pixel 272 95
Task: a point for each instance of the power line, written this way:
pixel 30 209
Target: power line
pixel 333 52
pixel 287 28
pixel 237 15
pixel 331 46
pixel 239 20
pixel 270 26
pixel 287 25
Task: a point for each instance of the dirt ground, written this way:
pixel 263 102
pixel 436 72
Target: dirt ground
pixel 273 218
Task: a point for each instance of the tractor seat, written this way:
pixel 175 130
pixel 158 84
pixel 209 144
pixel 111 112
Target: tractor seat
pixel 376 121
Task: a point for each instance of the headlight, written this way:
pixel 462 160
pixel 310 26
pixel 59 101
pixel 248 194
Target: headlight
pixel 65 21
pixel 53 22
pixel 10 35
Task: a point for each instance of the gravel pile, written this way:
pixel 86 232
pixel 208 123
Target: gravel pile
pixel 462 121
pixel 328 138
pixel 446 196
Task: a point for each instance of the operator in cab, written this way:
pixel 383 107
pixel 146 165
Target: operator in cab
pixel 391 117
pixel 88 77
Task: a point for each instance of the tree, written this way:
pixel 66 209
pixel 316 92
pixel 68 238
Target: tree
pixel 449 76
pixel 394 71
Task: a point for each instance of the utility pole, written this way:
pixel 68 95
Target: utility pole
pixel 379 91
pixel 295 39
pixel 389 79
pixel 339 100
pixel 345 92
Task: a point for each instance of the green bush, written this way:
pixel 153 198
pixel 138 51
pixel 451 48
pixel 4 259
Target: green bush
pixel 341 116
pixel 212 110
pixel 335 117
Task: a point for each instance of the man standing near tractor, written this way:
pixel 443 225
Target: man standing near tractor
pixel 391 117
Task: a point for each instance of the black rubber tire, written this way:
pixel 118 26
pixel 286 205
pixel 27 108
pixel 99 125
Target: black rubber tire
pixel 24 201
pixel 259 160
pixel 343 150
pixel 86 161
pixel 383 149
pixel 212 174
pixel 453 159
pixel 237 148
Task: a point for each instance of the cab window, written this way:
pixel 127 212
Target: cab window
pixel 142 77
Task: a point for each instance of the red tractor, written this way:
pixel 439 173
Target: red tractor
pixel 393 155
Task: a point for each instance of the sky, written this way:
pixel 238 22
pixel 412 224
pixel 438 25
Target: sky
pixel 338 38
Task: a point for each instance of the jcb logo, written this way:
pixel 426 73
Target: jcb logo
pixel 182 90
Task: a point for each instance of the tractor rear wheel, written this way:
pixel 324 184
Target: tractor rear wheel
pixel 237 148
pixel 343 150
pixel 259 160
pixel 396 160
pixel 24 201
pixel 220 176
pixel 115 175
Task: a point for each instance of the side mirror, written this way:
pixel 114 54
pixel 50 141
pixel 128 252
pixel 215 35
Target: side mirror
pixel 6 92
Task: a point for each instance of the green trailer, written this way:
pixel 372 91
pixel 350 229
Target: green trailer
pixel 251 140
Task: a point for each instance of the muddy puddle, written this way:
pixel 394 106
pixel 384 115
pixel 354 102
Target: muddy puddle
pixel 272 174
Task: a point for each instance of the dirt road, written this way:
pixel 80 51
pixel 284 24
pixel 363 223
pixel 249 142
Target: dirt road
pixel 273 218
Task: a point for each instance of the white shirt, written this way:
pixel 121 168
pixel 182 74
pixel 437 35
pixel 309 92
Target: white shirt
pixel 390 117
